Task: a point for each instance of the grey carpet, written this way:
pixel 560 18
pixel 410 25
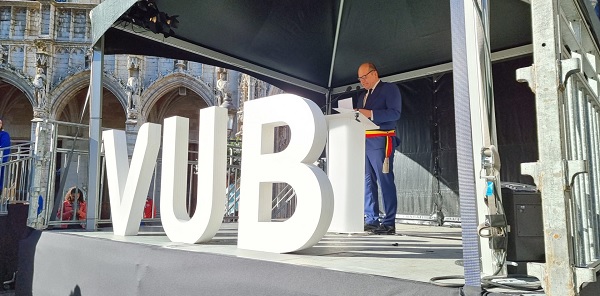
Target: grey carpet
pixel 62 264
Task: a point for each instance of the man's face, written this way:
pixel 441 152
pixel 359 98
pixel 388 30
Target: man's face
pixel 367 77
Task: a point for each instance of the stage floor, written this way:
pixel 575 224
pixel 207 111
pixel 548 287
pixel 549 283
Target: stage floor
pixel 415 253
pixel 81 262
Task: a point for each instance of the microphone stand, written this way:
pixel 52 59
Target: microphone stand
pixel 337 97
pixel 328 102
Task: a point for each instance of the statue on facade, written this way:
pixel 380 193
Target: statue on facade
pixel 3 52
pixel 222 87
pixel 180 66
pixel 89 56
pixel 39 84
pixel 132 89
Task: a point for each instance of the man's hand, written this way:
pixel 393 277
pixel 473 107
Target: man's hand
pixel 366 112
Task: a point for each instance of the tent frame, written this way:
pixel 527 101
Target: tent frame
pixel 547 81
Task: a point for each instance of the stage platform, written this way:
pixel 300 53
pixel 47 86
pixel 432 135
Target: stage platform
pixel 100 263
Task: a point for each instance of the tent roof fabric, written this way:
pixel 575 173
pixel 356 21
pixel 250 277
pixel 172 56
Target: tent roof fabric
pixel 311 46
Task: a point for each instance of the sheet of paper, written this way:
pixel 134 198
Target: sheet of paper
pixel 344 110
pixel 345 104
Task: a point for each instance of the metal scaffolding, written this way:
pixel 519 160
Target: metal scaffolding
pixel 564 78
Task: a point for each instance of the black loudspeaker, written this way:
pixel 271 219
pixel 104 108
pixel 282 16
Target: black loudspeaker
pixel 523 208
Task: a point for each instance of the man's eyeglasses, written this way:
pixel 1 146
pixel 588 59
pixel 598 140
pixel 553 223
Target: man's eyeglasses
pixel 365 76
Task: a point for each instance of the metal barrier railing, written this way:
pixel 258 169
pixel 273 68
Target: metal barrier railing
pixel 284 202
pixel 15 175
pixel 152 208
pixel 565 79
pixel 67 166
pixel 581 129
pixel 581 115
pixel 234 159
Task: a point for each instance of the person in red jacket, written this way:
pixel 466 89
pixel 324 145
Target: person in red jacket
pixel 149 209
pixel 73 208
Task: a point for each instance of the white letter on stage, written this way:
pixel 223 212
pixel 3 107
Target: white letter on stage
pixel 127 186
pixel 212 170
pixel 261 168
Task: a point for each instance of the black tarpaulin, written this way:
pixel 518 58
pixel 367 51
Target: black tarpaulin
pixel 313 47
pixel 320 43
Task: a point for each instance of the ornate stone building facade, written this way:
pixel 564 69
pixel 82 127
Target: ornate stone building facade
pixel 45 73
pixel 45 58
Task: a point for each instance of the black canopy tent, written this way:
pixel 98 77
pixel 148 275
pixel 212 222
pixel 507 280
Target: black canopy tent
pixel 309 47
pixel 313 48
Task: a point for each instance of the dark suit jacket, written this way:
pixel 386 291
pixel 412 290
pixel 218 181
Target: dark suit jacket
pixel 386 103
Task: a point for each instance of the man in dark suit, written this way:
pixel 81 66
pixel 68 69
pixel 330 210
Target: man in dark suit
pixel 382 104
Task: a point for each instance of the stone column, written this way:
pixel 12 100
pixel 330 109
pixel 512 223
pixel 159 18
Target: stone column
pixel 132 126
pixel 41 201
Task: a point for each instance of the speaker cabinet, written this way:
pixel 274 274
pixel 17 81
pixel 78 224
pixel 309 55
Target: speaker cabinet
pixel 526 230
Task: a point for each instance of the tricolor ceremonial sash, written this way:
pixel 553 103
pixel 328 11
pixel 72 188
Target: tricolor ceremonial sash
pixel 388 145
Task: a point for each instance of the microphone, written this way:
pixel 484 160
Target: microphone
pixel 350 88
pixel 340 95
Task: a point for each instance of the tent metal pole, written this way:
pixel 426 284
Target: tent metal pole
pixel 95 135
pixel 334 52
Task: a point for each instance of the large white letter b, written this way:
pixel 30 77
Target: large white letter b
pixel 261 168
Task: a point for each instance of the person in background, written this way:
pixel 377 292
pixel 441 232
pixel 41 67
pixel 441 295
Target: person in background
pixel 382 104
pixel 73 208
pixel 149 209
pixel 4 151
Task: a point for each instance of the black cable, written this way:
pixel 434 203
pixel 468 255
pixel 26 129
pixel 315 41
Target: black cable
pixel 488 280
pixel 500 210
pixel 434 280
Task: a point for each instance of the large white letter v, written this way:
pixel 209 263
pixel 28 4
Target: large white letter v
pixel 127 186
